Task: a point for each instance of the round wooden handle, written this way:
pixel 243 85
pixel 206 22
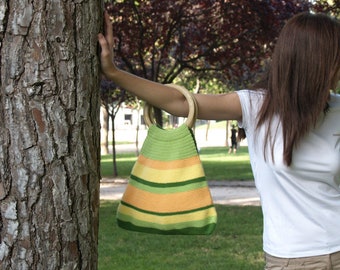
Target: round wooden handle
pixel 193 108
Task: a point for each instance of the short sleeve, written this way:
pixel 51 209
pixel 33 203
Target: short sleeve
pixel 251 102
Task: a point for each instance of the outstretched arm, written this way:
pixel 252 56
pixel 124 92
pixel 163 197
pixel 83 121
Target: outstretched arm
pixel 217 107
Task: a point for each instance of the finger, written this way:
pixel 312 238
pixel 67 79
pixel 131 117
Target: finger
pixel 108 29
pixel 103 42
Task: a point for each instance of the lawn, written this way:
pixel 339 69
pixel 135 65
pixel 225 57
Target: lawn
pixel 235 244
pixel 217 163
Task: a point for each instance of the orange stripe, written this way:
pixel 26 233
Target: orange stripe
pixel 176 202
pixel 166 165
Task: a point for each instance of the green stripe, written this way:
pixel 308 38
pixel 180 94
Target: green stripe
pixel 190 223
pixel 166 185
pixel 166 214
pixel 206 230
pixel 167 190
pixel 166 227
pixel 166 145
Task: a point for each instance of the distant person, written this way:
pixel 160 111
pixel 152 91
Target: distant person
pixel 286 119
pixel 233 138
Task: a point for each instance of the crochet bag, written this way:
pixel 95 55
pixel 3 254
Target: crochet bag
pixel 167 192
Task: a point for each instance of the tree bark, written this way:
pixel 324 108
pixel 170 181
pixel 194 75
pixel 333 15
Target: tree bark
pixel 104 132
pixel 227 134
pixel 114 153
pixel 49 134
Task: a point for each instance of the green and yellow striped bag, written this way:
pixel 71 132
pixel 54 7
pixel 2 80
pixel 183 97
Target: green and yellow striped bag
pixel 167 192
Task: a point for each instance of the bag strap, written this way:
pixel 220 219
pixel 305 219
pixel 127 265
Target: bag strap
pixel 193 107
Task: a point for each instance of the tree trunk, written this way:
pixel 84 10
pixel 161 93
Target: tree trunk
pixel 137 127
pixel 114 153
pixel 227 134
pixel 207 130
pixel 104 131
pixel 49 134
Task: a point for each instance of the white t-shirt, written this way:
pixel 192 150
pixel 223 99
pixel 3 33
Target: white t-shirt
pixel 300 203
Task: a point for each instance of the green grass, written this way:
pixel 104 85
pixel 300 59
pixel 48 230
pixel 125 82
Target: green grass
pixel 235 244
pixel 217 163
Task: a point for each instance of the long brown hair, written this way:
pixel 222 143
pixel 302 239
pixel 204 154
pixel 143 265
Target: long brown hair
pixel 304 68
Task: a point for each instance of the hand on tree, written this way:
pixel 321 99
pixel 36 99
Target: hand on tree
pixel 106 44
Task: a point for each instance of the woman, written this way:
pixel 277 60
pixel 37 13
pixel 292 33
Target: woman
pixel 293 132
pixel 233 140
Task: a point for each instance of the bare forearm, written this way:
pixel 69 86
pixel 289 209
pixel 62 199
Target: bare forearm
pixel 158 95
pixel 163 96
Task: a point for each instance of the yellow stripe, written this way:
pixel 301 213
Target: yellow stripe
pixel 176 202
pixel 203 214
pixel 168 165
pixel 167 176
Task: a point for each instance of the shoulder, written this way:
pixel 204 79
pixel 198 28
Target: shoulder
pixel 251 101
pixel 248 96
pixel 334 102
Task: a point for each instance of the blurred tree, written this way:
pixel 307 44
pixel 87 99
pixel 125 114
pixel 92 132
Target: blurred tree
pixel 331 7
pixel 158 40
pixel 112 99
pixel 223 44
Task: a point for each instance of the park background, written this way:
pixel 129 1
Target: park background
pixel 50 82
